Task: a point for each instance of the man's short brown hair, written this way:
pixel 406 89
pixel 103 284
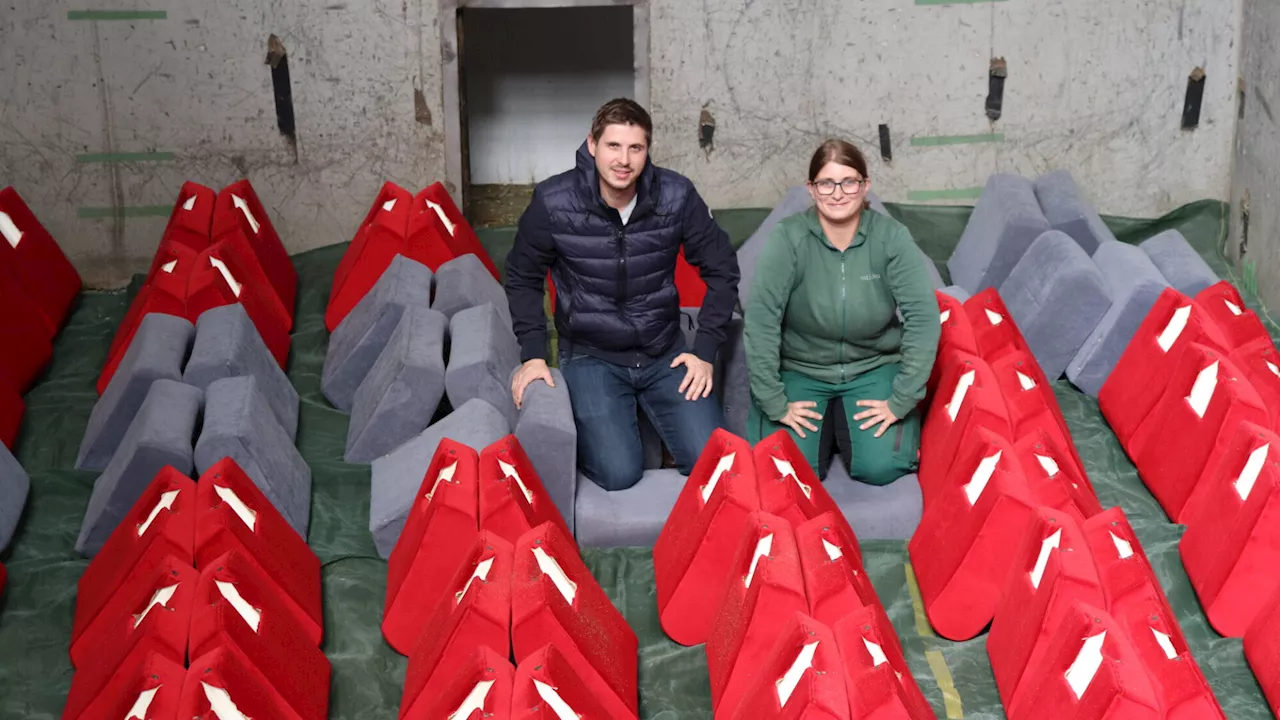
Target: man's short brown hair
pixel 621 111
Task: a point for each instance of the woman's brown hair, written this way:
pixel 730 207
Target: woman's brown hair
pixel 841 153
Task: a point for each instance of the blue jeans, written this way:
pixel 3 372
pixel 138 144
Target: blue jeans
pixel 604 398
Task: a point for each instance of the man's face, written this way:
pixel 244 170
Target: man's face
pixel 620 154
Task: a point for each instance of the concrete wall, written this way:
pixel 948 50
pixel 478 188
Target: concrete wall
pixel 532 75
pixel 1094 85
pixel 1254 244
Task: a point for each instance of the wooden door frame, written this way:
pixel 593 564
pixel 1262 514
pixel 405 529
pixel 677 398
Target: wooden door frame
pixel 454 132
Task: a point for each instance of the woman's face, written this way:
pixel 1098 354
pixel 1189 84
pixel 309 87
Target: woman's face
pixel 847 188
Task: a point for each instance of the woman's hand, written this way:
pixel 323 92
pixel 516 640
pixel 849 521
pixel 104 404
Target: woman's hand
pixel 798 415
pixel 879 412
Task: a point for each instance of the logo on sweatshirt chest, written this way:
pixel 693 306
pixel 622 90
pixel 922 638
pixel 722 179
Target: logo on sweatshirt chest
pixel 871 276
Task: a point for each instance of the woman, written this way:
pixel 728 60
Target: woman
pixel 821 323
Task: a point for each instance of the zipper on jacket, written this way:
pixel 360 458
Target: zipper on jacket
pixel 844 314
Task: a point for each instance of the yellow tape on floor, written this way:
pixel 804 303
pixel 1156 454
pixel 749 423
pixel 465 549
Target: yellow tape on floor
pixel 942 673
pixel 923 629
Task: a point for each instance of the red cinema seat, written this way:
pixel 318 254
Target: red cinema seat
pixel 1140 376
pixel 1028 396
pixel 969 535
pixel 1262 649
pixel 1052 570
pixel 754 609
pixel 1053 475
pixel 377 241
pixel 693 554
pixel 239 213
pixel 993 327
pixel 1180 687
pixel 12 408
pixel 225 274
pixel 191 222
pixel 458 233
pixel 475 612
pixel 222 684
pixel 1231 548
pixel 1259 363
pixel 439 535
pixel 1205 395
pixel 513 500
pixel 968 398
pixel 478 689
pixel 877 678
pixel 242 610
pixel 1124 572
pixel 1089 670
pixel 161 523
pixel 32 256
pixel 555 599
pixel 165 291
pixel 957 334
pixel 23 335
pixel 788 486
pixel 426 239
pixel 1240 326
pixel 4 577
pixel 234 515
pixel 154 606
pixel 835 582
pixel 547 687
pixel 689 283
pixel 146 685
pixel 801 677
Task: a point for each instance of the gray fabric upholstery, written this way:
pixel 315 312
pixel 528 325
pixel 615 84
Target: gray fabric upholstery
pixel 398 398
pixel 465 282
pixel 1005 221
pixel 1135 284
pixel 238 424
pixel 160 434
pixel 796 200
pixel 228 345
pixel 956 292
pixel 886 512
pixel 359 339
pixel 549 436
pixel 158 350
pixel 626 518
pixel 1180 264
pixel 15 485
pixel 482 353
pixel 1067 209
pixel 1057 296
pixel 397 475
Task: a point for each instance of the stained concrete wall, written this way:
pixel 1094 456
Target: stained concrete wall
pixel 1254 244
pixel 1094 85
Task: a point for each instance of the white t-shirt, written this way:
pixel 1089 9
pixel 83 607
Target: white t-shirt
pixel 626 211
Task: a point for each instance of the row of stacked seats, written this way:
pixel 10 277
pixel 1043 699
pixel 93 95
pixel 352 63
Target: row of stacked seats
pixel 38 287
pixel 1013 536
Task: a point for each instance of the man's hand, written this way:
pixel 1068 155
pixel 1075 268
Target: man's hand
pixel 535 369
pixel 798 414
pixel 697 381
pixel 879 413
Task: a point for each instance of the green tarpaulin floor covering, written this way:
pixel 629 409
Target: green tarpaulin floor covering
pixel 37 607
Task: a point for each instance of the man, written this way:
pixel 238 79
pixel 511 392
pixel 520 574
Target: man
pixel 610 231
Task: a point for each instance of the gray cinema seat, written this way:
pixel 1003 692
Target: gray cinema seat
pixel 397 475
pixel 1135 284
pixel 228 345
pixel 482 353
pixel 1005 221
pixel 464 282
pixel 15 485
pixel 238 424
pixel 1057 296
pixel 549 436
pixel 796 200
pixel 398 398
pixel 956 292
pixel 158 350
pixel 160 434
pixel 1180 264
pixel 1067 209
pixel 359 339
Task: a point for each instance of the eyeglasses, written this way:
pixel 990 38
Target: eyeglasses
pixel 848 185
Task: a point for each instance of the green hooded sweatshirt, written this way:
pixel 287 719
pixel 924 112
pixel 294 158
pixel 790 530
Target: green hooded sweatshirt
pixel 830 315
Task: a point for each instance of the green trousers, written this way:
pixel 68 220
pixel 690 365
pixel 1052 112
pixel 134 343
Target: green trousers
pixel 876 460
